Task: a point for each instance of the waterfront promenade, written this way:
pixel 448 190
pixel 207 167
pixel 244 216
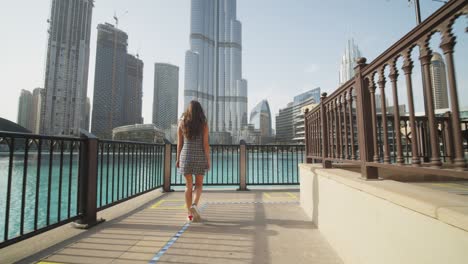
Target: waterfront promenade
pixel 262 226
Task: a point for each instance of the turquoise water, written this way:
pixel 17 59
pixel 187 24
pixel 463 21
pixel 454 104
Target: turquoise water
pixel 121 176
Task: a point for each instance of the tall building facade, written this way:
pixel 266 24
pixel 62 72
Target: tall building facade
pixel 109 80
pixel 24 109
pixel 134 91
pixel 166 94
pixel 290 120
pixel 348 61
pixel 67 66
pixel 260 117
pixel 439 81
pixel 36 109
pixel 213 65
pixel 314 93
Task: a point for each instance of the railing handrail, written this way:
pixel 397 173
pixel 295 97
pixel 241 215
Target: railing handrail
pixel 130 142
pixel 37 136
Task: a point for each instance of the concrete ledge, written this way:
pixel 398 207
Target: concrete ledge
pixel 384 221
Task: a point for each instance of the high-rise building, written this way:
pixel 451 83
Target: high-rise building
pixel 109 80
pixel 36 110
pixel 348 61
pixel 213 66
pixel 134 91
pixel 24 109
pixel 314 93
pixel 66 77
pixel 166 94
pixel 290 120
pixel 439 81
pixel 260 117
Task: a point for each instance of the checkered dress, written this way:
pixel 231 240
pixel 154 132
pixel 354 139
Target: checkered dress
pixel 192 157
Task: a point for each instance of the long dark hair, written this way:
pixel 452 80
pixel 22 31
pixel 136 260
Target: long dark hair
pixel 193 120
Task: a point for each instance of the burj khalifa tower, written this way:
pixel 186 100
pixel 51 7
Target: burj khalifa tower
pixel 213 66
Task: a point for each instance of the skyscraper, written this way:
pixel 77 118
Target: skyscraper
pixel 213 65
pixel 348 61
pixel 260 117
pixel 166 93
pixel 439 81
pixel 36 109
pixel 24 109
pixel 66 76
pixel 109 80
pixel 134 91
pixel 290 120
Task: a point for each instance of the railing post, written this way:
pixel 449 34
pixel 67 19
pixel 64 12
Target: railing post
pixel 243 167
pixel 87 195
pixel 323 118
pixel 307 137
pixel 364 122
pixel 167 166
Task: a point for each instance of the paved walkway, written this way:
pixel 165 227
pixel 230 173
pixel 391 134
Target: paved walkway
pixel 238 227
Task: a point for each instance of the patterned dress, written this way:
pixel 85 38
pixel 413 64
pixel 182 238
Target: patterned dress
pixel 192 157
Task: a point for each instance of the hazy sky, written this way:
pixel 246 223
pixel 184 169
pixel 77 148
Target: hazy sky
pixel 289 46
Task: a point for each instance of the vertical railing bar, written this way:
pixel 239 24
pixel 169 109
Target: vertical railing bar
pixel 107 173
pixel 113 174
pixel 351 125
pixel 59 201
pixel 23 193
pixel 345 117
pixel 124 166
pixel 408 68
pixel 339 135
pixel 70 174
pixel 118 171
pixel 38 182
pixel 10 175
pixel 282 163
pixel 385 147
pixel 101 193
pixel 49 182
pixel 79 178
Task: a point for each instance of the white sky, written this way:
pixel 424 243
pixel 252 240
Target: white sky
pixel 288 46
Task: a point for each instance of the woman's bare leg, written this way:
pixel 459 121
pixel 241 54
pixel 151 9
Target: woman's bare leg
pixel 188 191
pixel 198 188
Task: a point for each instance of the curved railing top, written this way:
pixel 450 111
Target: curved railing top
pixel 440 21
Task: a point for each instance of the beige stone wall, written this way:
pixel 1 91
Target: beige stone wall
pixel 380 222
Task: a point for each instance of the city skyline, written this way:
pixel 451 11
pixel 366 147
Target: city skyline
pixel 265 77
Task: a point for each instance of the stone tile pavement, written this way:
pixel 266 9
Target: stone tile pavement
pixel 266 226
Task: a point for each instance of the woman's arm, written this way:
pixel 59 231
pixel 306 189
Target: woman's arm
pixel 206 145
pixel 180 143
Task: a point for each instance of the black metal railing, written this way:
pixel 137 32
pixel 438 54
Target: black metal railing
pixel 38 184
pixel 224 166
pixel 127 169
pixel 47 181
pixel 274 164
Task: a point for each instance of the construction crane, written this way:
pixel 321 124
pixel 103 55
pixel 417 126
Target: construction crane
pixel 116 18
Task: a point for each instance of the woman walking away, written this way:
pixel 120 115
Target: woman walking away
pixel 193 155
